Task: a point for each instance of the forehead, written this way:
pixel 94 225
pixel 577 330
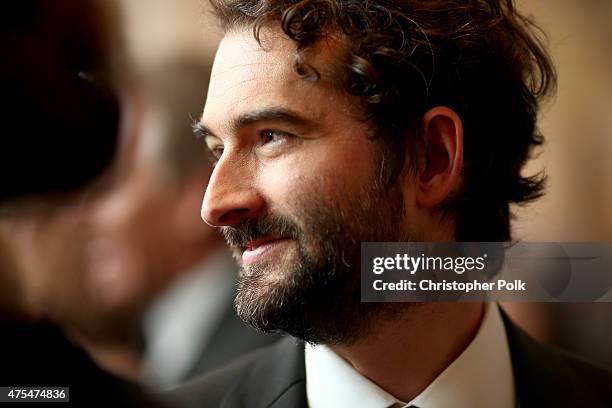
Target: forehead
pixel 247 76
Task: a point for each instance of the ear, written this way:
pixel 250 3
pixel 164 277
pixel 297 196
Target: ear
pixel 440 172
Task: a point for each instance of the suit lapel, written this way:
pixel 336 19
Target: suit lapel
pixel 231 338
pixel 277 380
pixel 542 377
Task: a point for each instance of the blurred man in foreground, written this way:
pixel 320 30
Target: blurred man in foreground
pixel 60 134
pixel 341 122
pixel 152 282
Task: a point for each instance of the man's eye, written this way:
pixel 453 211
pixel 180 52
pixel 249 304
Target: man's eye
pixel 273 136
pixel 216 152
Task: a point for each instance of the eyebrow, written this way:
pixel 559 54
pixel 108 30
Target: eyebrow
pixel 272 113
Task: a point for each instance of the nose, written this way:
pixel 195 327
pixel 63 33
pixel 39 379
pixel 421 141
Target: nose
pixel 231 196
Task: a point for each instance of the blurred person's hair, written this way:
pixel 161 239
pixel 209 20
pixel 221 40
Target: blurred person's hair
pixel 60 115
pixel 10 299
pixel 481 58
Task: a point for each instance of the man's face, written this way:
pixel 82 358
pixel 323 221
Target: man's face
pixel 295 189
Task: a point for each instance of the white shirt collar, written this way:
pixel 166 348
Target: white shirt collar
pixel 480 377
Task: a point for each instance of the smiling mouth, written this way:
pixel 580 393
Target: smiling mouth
pixel 262 249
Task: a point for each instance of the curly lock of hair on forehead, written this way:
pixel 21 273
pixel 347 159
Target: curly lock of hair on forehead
pixel 482 58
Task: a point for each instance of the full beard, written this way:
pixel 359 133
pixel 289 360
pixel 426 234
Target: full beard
pixel 318 297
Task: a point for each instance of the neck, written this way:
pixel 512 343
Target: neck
pixel 403 356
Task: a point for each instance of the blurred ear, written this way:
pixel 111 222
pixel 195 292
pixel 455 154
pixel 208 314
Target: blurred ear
pixel 440 173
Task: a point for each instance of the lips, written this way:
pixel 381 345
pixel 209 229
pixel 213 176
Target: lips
pixel 261 249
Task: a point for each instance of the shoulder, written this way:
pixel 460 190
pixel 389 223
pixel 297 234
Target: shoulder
pixel 259 376
pixel 39 354
pixel 548 376
pixel 210 389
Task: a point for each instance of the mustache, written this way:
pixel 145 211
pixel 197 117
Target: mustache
pixel 256 228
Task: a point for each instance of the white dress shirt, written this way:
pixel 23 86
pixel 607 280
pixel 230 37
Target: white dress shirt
pixel 480 377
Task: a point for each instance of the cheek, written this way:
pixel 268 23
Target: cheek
pixel 319 175
pixel 278 182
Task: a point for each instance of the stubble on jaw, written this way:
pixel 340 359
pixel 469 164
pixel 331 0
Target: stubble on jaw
pixel 314 292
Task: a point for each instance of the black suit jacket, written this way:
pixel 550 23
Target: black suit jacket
pixel 38 355
pixel 230 340
pixel 274 377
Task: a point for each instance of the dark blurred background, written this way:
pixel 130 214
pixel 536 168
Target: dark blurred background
pixel 578 159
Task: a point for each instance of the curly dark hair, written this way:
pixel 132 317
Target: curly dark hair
pixel 481 58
